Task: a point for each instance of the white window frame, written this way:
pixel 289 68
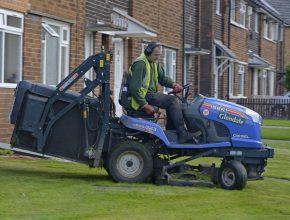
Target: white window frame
pixel 172 71
pixel 264 82
pixel 218 7
pixel 233 11
pixel 243 14
pixel 266 27
pixel 255 81
pixel 6 29
pixel 275 29
pixel 62 44
pixel 256 22
pixel 49 30
pixel 241 72
pixel 271 83
pixel 249 22
pixel 280 32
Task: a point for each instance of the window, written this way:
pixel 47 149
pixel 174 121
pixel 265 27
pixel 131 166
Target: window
pixel 264 82
pixel 170 65
pixel 274 31
pixel 54 51
pixel 256 22
pixel 233 10
pixel 266 27
pixel 11 35
pixel 271 29
pixel 255 81
pixel 243 14
pixel 218 7
pixel 231 79
pixel 250 13
pixel 280 33
pixel 241 80
pixel 271 83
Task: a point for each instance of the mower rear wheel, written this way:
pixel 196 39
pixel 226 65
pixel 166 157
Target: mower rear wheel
pixel 129 162
pixel 232 175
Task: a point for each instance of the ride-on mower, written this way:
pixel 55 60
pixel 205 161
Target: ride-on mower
pixel 83 128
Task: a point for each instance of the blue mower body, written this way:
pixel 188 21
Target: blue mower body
pixel 242 124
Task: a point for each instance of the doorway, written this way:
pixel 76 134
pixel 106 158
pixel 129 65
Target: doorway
pixel 119 63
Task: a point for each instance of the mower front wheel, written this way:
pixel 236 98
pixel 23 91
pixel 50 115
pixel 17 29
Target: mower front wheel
pixel 232 175
pixel 129 162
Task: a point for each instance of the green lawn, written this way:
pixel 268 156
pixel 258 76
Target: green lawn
pixel 268 122
pixel 276 133
pixel 44 189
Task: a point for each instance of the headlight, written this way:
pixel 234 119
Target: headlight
pixel 255 116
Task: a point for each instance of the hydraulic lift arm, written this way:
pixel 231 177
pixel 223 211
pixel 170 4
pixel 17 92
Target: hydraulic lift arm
pixel 101 64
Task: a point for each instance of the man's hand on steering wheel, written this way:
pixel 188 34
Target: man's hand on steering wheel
pixel 177 88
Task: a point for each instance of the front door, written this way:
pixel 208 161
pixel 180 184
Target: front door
pixel 118 58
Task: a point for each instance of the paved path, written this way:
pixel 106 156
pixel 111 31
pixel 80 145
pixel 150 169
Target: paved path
pixel 270 126
pixel 271 140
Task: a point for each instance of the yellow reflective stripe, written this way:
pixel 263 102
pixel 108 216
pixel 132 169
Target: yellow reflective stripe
pixel 146 81
pixel 156 77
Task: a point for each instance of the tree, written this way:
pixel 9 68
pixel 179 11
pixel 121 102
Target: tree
pixel 287 81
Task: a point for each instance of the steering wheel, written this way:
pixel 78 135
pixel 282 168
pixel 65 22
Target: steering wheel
pixel 185 92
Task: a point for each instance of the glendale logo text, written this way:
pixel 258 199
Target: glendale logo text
pixel 231 118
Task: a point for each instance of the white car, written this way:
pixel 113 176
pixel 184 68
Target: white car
pixel 287 95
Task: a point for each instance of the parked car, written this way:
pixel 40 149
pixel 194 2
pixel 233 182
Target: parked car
pixel 275 107
pixel 287 95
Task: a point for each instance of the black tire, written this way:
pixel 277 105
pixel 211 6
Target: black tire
pixel 130 162
pixel 232 175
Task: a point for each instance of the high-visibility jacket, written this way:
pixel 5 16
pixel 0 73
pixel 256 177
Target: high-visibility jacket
pixel 146 81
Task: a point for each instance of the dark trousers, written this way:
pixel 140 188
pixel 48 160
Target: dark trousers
pixel 170 103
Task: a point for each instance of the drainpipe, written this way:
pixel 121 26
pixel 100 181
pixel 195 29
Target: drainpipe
pixel 229 44
pixel 183 41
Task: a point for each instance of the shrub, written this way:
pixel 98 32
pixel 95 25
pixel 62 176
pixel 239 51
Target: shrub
pixel 287 81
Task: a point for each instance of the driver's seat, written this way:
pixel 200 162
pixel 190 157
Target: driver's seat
pixel 125 99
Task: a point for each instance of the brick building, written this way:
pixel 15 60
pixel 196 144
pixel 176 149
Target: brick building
pixel 228 49
pixel 283 8
pixel 244 38
pixel 128 26
pixel 40 41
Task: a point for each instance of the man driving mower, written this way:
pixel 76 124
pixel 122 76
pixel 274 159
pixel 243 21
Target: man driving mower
pixel 146 73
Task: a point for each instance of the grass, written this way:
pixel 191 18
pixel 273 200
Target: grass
pixel 276 133
pixel 45 189
pixel 278 167
pixel 268 122
pixel 5 152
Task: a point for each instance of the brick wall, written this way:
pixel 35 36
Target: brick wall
pixel 101 10
pixel 287 45
pixel 6 94
pixel 269 51
pixel 166 18
pixel 15 5
pixel 66 10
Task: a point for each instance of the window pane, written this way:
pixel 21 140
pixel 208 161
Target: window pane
pixel 12 58
pixel 1 52
pixel 241 78
pixel 65 33
pixel 52 57
pixel 1 19
pixel 13 21
pixel 233 10
pixel 168 63
pixel 64 64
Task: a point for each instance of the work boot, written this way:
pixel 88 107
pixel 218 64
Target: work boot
pixel 186 136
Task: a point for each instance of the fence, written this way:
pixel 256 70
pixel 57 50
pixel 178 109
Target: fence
pixel 268 108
